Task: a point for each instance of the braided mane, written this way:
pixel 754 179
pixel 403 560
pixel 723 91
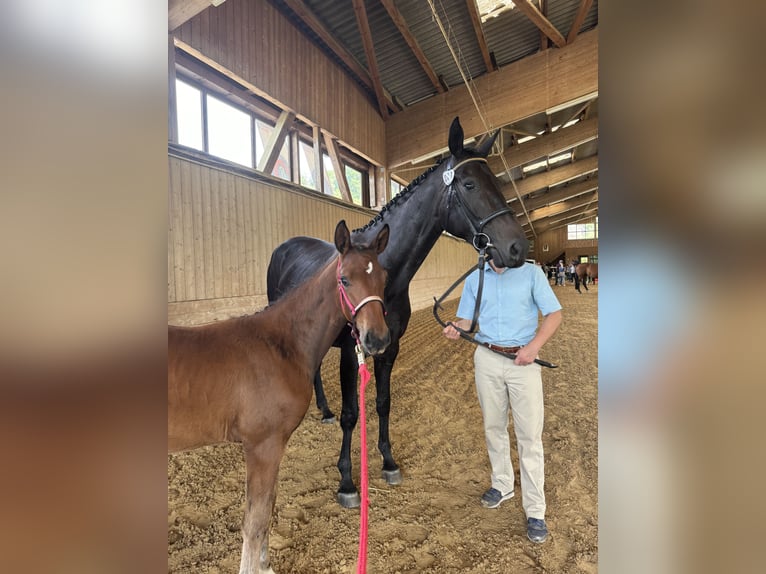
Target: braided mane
pixel 406 192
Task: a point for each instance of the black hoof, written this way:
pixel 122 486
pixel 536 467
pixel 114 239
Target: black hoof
pixel 392 477
pixel 349 499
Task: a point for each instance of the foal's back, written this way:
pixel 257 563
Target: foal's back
pixel 226 380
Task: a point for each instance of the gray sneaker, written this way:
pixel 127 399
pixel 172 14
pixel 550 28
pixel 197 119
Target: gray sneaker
pixel 537 531
pixel 493 497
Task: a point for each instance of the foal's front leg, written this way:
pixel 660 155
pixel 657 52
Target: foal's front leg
pixel 262 461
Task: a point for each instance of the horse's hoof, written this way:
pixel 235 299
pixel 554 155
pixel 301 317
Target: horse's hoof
pixel 328 420
pixel 392 477
pixel 349 499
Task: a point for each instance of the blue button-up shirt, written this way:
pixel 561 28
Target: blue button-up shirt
pixel 511 300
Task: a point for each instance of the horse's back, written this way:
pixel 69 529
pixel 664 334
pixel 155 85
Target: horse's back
pixel 293 262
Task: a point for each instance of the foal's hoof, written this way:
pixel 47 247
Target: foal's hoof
pixel 393 477
pixel 349 499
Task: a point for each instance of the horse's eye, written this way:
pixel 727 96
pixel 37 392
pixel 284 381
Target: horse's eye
pixel 469 185
pixel 344 281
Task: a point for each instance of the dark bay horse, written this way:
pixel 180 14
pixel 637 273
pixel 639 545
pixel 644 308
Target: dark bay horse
pixel 585 273
pixel 248 379
pixel 459 195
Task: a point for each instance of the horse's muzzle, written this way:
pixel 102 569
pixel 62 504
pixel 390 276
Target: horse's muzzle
pixel 375 344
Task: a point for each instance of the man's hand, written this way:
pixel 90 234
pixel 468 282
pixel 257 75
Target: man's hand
pixel 451 333
pixel 525 356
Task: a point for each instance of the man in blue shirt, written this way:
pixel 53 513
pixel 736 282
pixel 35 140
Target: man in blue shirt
pixel 508 322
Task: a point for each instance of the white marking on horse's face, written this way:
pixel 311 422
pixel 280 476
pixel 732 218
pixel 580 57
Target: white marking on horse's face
pixel 369 268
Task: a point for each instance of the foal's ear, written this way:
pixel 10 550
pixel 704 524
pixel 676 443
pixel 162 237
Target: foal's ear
pixel 485 147
pixel 382 239
pixel 342 237
pixel 456 137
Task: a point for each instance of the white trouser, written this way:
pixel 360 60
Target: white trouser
pixel 501 384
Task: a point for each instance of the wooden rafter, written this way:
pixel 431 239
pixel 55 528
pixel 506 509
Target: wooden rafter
pixel 582 11
pixel 369 49
pixel 536 17
pixel 562 219
pixel 179 11
pixel 563 206
pixel 544 42
pixel 473 11
pixel 560 194
pixel 308 18
pixel 545 145
pixel 275 143
pixel 333 150
pixel 552 177
pixel 404 30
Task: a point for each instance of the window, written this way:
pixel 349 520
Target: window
pixel 306 164
pixel 355 185
pixel 396 188
pixel 582 230
pixel 239 132
pixel 189 111
pixel 229 132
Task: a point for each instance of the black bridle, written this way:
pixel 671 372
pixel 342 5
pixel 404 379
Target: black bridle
pixel 481 241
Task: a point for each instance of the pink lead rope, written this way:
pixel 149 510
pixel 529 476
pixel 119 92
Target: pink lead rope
pixel 364 377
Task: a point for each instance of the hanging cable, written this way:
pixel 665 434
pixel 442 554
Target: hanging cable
pixel 487 127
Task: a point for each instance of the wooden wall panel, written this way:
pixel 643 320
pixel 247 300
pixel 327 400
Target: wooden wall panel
pixel 223 226
pixel 253 40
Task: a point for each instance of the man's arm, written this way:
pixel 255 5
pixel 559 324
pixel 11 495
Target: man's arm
pixel 528 353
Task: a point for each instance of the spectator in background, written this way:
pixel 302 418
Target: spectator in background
pixel 560 271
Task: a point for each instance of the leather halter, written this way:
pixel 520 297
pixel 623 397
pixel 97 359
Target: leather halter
pixel 481 241
pixel 345 301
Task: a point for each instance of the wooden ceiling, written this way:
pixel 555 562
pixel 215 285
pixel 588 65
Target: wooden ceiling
pixel 527 68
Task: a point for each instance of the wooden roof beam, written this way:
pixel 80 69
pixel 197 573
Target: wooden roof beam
pixel 559 194
pixel 369 50
pixel 556 221
pixel 515 92
pixel 537 18
pixel 473 12
pixel 309 18
pixel 553 177
pixel 545 145
pixel 563 206
pixel 404 30
pixel 582 12
pixel 179 11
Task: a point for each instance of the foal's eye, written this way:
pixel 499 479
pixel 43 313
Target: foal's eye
pixel 344 281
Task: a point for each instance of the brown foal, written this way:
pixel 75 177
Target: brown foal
pixel 249 379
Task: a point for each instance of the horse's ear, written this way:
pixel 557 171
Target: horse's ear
pixel 456 137
pixel 382 239
pixel 485 147
pixel 342 237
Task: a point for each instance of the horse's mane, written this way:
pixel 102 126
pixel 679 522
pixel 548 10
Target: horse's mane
pixel 401 196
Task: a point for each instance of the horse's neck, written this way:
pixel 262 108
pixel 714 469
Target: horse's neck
pixel 416 224
pixel 310 317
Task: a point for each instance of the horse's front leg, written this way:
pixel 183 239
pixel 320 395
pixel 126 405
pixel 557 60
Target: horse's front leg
pixel 262 461
pixel 384 364
pixel 328 417
pixel 348 495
